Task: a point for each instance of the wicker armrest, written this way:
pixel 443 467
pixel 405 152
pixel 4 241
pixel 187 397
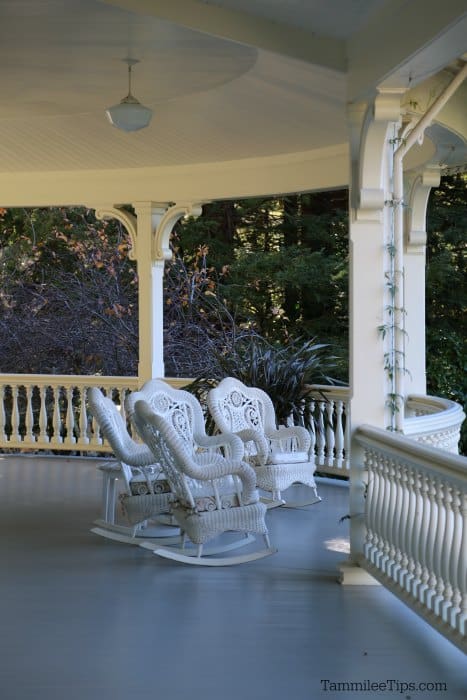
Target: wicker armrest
pixel 233 443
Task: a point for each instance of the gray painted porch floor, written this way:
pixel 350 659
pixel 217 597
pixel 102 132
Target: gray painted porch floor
pixel 83 618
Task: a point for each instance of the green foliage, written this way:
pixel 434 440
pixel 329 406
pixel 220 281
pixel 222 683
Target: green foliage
pixel 281 265
pixel 283 371
pixel 68 300
pixel 446 295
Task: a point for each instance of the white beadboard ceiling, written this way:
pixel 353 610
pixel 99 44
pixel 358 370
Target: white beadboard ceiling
pixel 214 99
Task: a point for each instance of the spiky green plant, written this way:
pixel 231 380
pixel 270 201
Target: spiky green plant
pixel 283 371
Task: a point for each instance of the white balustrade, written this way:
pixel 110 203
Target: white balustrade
pixel 331 429
pixel 48 412
pixel 416 527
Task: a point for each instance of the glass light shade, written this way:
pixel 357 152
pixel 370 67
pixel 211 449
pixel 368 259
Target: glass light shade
pixel 129 114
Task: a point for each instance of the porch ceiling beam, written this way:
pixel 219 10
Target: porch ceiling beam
pixel 243 28
pixel 407 42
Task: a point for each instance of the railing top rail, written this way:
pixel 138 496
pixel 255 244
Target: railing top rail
pixel 81 380
pixel 442 414
pixel 333 390
pixel 66 379
pixel 428 458
pixel 431 402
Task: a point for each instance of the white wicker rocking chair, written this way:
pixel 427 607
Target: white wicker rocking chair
pixel 280 456
pixel 198 481
pixel 145 492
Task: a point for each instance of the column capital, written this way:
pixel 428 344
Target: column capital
pixel 387 104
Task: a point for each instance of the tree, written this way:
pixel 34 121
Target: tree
pixel 446 293
pixel 68 299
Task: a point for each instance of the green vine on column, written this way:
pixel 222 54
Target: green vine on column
pixel 394 360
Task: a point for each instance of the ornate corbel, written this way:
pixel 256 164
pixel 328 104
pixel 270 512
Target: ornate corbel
pixel 161 241
pixel 415 222
pixel 383 113
pixel 106 212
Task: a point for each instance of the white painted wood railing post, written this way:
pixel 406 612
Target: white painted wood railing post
pixel 2 413
pixel 320 434
pixel 431 590
pixel 15 414
pixel 458 562
pixel 447 553
pixel 462 568
pixel 83 417
pixel 312 429
pixel 438 551
pixel 43 422
pixel 339 435
pixel 425 520
pixel 330 436
pixel 57 423
pixel 70 418
pixel 28 416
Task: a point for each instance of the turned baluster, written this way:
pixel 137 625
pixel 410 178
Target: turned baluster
pixel 424 538
pixel 376 510
pixel 416 559
pixel 56 418
pixel 69 417
pixel 339 435
pixel 383 529
pixel 456 574
pixel 330 438
pixel 410 530
pixel 15 436
pixel 379 471
pixel 447 552
pixel 28 417
pixel 370 507
pixel 431 543
pixel 43 437
pixel 320 436
pixel 312 430
pixel 462 567
pixel 2 414
pixel 83 417
pixel 398 521
pixel 437 546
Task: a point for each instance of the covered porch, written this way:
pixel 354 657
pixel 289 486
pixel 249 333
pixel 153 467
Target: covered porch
pixel 248 100
pixel 86 618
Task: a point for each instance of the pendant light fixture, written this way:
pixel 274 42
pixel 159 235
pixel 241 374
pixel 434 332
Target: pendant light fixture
pixel 129 114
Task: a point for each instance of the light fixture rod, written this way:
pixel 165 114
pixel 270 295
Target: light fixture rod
pixel 130 63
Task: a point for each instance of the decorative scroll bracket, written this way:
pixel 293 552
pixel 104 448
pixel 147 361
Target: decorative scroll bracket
pixel 106 212
pixel 161 241
pixel 415 223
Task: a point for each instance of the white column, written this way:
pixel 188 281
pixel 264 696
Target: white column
pixel 150 291
pixel 415 263
pixel 149 233
pixel 370 235
pixel 155 222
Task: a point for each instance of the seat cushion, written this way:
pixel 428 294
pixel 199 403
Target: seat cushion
pixel 288 457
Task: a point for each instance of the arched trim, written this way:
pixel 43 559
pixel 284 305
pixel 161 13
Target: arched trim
pixel 126 218
pixel 380 117
pixel 176 212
